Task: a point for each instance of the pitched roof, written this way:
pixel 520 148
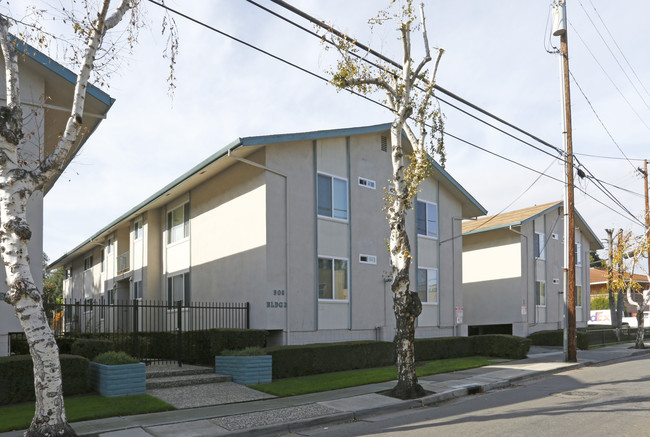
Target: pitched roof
pixel 525 215
pixel 470 207
pixel 599 276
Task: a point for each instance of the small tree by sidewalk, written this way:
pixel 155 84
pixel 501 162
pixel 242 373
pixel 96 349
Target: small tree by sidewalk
pixel 626 256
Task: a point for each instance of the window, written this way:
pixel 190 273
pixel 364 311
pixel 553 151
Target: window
pixel 109 245
pixel 102 259
pixel 367 259
pixel 111 297
pixel 539 246
pixel 540 293
pixel 427 283
pixel 101 306
pixel 368 183
pixel 88 262
pixel 68 272
pixel 137 290
pixel 178 289
pixel 178 223
pixel 427 218
pixel 578 295
pixel 578 254
pixel 332 279
pixel 137 230
pixel 332 197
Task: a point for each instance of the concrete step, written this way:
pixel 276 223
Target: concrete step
pixel 158 371
pixel 186 380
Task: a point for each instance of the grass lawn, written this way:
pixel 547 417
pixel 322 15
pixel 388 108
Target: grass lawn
pixel 352 378
pixel 84 407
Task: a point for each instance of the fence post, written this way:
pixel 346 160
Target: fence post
pixel 179 334
pixel 136 342
pixel 248 315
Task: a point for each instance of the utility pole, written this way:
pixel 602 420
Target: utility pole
pixel 613 313
pixel 647 207
pixel 570 336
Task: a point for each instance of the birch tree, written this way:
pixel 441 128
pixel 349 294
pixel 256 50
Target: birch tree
pixel 627 254
pixel 409 94
pixel 22 177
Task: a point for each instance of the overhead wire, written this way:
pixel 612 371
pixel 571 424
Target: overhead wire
pixel 608 76
pixel 376 102
pixel 619 48
pixel 614 56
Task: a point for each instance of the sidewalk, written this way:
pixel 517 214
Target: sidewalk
pixel 283 415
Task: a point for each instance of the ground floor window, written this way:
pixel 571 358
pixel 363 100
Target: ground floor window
pixel 540 293
pixel 333 278
pixel 178 289
pixel 578 295
pixel 137 290
pixel 427 284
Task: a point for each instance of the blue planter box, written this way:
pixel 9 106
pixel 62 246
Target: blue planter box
pixel 245 370
pixel 118 380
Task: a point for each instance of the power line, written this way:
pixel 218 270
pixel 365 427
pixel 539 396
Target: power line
pixel 600 120
pixel 619 48
pixel 609 157
pixel 614 56
pixel 609 77
pixel 371 100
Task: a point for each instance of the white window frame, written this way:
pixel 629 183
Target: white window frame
pixel 109 246
pixel 367 183
pixel 187 294
pixel 333 259
pixel 540 238
pixel 333 199
pixel 367 259
pixel 429 233
pixel 579 254
pixel 138 229
pixel 136 290
pixel 429 271
pixel 540 304
pixel 185 224
pixel 88 262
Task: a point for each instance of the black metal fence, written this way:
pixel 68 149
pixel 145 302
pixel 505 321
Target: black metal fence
pixel 149 330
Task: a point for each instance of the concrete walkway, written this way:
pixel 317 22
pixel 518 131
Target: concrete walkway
pixel 282 415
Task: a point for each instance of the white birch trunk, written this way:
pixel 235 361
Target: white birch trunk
pixel 640 307
pixel 18 180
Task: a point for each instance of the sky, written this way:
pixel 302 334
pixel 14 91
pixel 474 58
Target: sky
pixel 495 57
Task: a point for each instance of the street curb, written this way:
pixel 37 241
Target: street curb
pixel 294 426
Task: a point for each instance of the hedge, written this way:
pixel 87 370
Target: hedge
pixel 289 361
pixel 90 348
pixel 556 338
pixel 17 377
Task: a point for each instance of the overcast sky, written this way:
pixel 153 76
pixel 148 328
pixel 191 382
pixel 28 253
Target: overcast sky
pixel 495 56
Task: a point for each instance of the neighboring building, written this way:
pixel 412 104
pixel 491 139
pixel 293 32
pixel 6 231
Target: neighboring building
pixel 598 280
pixel 293 224
pixel 513 270
pixel 46 90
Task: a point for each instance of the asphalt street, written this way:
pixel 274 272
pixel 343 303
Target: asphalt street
pixel 610 399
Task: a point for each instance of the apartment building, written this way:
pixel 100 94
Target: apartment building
pixel 294 225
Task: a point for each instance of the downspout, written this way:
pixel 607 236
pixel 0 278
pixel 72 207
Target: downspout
pixel 350 294
pixel 286 230
pixel 526 259
pixel 453 270
pixel 315 172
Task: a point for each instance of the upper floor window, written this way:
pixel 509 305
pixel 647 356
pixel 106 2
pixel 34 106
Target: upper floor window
pixel 427 218
pixel 332 197
pixel 68 273
pixel 332 278
pixel 137 230
pixel 88 262
pixel 578 295
pixel 578 254
pixel 539 245
pixel 109 245
pixel 178 223
pixel 427 283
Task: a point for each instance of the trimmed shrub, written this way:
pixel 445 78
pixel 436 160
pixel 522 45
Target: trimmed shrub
pixel 112 358
pixel 555 338
pixel 17 377
pixel 289 361
pixel 247 352
pixel 500 345
pixel 90 348
pixel 429 349
pixel 600 303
